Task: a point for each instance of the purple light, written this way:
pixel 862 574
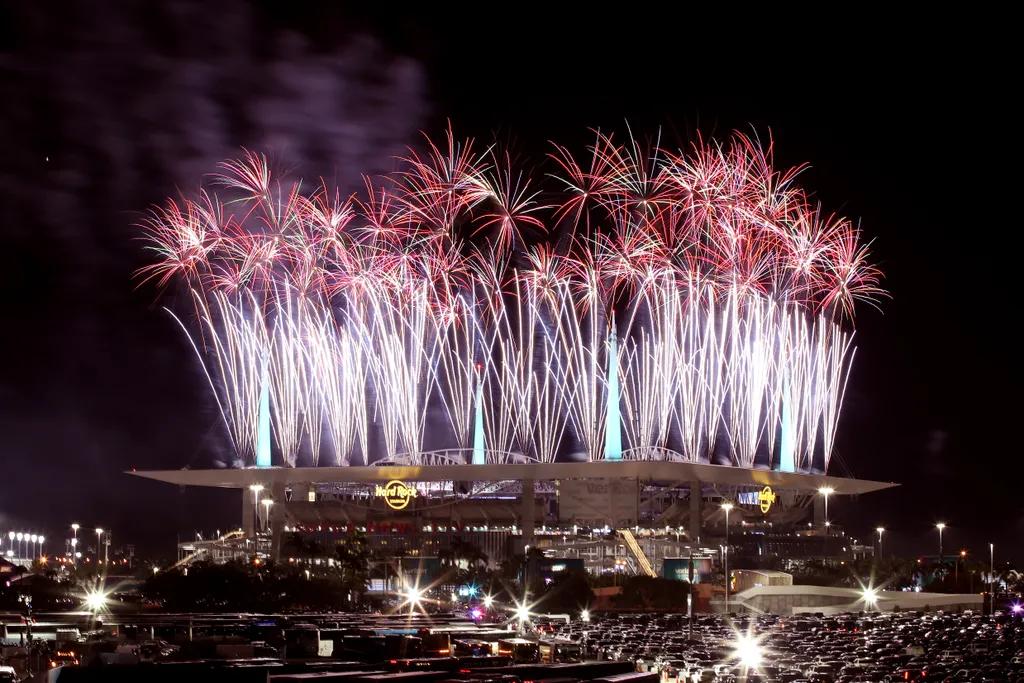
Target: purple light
pixel 476 614
pixel 1017 609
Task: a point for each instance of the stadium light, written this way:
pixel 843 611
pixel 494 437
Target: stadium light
pixel 95 600
pixel 522 613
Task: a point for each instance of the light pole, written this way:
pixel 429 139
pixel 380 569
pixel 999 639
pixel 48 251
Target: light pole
pixel 940 526
pixel 727 507
pixel 266 522
pixel 956 571
pixel 880 530
pixel 99 539
pixel 11 535
pixel 74 541
pixel 991 568
pixel 826 491
pixel 256 488
pixel 33 540
pixel 41 541
pixel 19 538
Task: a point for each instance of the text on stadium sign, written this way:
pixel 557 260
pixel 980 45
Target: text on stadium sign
pixel 396 494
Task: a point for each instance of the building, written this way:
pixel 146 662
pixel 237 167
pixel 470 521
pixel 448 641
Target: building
pixel 627 515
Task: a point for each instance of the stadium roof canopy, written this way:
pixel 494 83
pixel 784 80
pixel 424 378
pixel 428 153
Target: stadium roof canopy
pixel 660 471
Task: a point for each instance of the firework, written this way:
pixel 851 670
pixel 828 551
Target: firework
pixel 697 293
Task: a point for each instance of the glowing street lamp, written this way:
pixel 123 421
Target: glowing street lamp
pixel 826 491
pixel 880 530
pixel 33 540
pixel 256 488
pixel 266 504
pixel 99 542
pixel 95 600
pixel 41 541
pixel 727 506
pixel 585 615
pixel 748 652
pixel 940 526
pixel 488 601
pixel 869 596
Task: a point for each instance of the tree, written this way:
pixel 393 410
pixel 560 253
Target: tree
pixel 569 593
pixel 645 592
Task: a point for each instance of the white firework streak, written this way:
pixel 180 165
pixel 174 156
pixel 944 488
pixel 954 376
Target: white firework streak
pixel 543 417
pixel 835 358
pixel 288 378
pixel 238 346
pixel 337 361
pixel 580 338
pixel 401 362
pixel 750 368
pixel 501 389
pixel 457 374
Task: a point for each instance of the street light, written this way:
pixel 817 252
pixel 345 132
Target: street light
pixel 991 567
pixel 585 615
pixel 41 541
pixel 880 530
pixel 266 504
pixel 940 526
pixel 33 540
pixel 748 652
pixel 727 506
pixel 826 491
pixel 256 488
pixel 869 596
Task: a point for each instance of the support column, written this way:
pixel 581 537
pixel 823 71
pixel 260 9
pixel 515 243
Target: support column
pixel 248 514
pixel 277 518
pixel 696 510
pixel 527 512
pixel 819 513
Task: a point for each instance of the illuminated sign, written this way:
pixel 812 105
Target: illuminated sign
pixel 766 499
pixel 396 494
pixel 558 567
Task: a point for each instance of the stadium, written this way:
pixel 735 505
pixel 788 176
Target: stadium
pixel 616 372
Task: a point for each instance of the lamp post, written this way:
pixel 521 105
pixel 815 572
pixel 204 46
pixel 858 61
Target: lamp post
pixel 74 540
pixel 99 540
pixel 33 541
pixel 11 535
pixel 256 488
pixel 880 530
pixel 991 568
pixel 42 540
pixel 727 507
pixel 826 491
pixel 956 571
pixel 940 526
pixel 266 522
pixel 19 538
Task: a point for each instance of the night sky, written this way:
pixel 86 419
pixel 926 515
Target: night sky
pixel 106 113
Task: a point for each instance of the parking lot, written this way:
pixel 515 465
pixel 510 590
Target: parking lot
pixel 848 649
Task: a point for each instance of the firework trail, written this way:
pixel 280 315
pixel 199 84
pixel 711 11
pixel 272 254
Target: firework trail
pixel 458 286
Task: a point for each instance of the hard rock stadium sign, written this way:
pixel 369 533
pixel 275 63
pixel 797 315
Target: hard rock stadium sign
pixel 396 494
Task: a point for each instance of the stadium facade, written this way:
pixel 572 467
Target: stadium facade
pixel 626 514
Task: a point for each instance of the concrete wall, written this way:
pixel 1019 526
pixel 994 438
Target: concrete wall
pixel 828 600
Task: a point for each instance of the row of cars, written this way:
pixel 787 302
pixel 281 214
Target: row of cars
pixel 856 648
